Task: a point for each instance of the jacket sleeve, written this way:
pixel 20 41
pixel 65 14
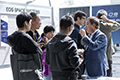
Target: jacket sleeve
pixel 47 55
pixel 73 55
pixel 31 45
pixel 110 26
pixel 101 41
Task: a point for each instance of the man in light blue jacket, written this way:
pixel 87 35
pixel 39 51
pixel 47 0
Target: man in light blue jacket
pixel 95 52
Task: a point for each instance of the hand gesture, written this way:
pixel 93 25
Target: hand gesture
pixel 82 32
pixel 104 18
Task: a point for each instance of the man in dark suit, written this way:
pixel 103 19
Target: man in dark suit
pixel 79 18
pixel 95 52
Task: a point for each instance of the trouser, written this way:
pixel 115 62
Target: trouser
pixel 109 71
pixel 47 77
pixel 64 77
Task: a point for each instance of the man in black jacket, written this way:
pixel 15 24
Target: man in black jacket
pixel 61 52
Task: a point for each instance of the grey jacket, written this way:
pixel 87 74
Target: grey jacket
pixel 107 28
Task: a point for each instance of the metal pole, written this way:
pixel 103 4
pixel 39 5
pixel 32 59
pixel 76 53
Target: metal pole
pixel 49 2
pixel 52 13
pixel 28 2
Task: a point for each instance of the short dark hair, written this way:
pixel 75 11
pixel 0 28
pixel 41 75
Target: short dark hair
pixel 79 14
pixel 34 15
pixel 21 18
pixel 94 20
pixel 66 21
pixel 48 28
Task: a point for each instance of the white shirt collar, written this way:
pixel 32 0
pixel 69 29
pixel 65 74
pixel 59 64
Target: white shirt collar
pixel 93 34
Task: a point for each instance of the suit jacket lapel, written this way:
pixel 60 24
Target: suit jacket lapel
pixel 95 34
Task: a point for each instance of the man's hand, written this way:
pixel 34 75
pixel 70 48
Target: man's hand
pixel 45 40
pixel 41 44
pixel 104 18
pixel 82 32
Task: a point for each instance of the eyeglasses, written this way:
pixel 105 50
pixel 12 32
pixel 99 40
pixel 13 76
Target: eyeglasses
pixel 83 18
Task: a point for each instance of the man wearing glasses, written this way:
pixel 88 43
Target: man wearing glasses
pixel 79 18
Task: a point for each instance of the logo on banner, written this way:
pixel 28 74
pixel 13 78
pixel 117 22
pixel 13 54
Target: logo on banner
pixel 113 14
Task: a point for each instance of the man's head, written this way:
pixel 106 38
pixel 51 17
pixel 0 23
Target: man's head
pixel 100 13
pixel 79 17
pixel 92 24
pixel 23 20
pixel 36 22
pixel 66 24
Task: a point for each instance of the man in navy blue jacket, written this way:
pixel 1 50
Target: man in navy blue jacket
pixel 95 52
pixel 79 18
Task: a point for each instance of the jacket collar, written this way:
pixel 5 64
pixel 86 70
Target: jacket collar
pixel 95 34
pixel 77 26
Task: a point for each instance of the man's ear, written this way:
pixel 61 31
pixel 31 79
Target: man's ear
pixel 78 18
pixel 25 23
pixel 94 25
pixel 32 21
pixel 71 27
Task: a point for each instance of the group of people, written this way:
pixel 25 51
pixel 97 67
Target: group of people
pixel 59 53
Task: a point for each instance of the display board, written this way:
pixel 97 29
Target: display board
pixel 4 29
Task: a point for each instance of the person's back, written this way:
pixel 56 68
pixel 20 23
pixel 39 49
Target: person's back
pixel 22 43
pixel 62 53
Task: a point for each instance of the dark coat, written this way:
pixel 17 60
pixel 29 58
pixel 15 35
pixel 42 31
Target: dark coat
pixel 23 43
pixel 62 55
pixel 77 36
